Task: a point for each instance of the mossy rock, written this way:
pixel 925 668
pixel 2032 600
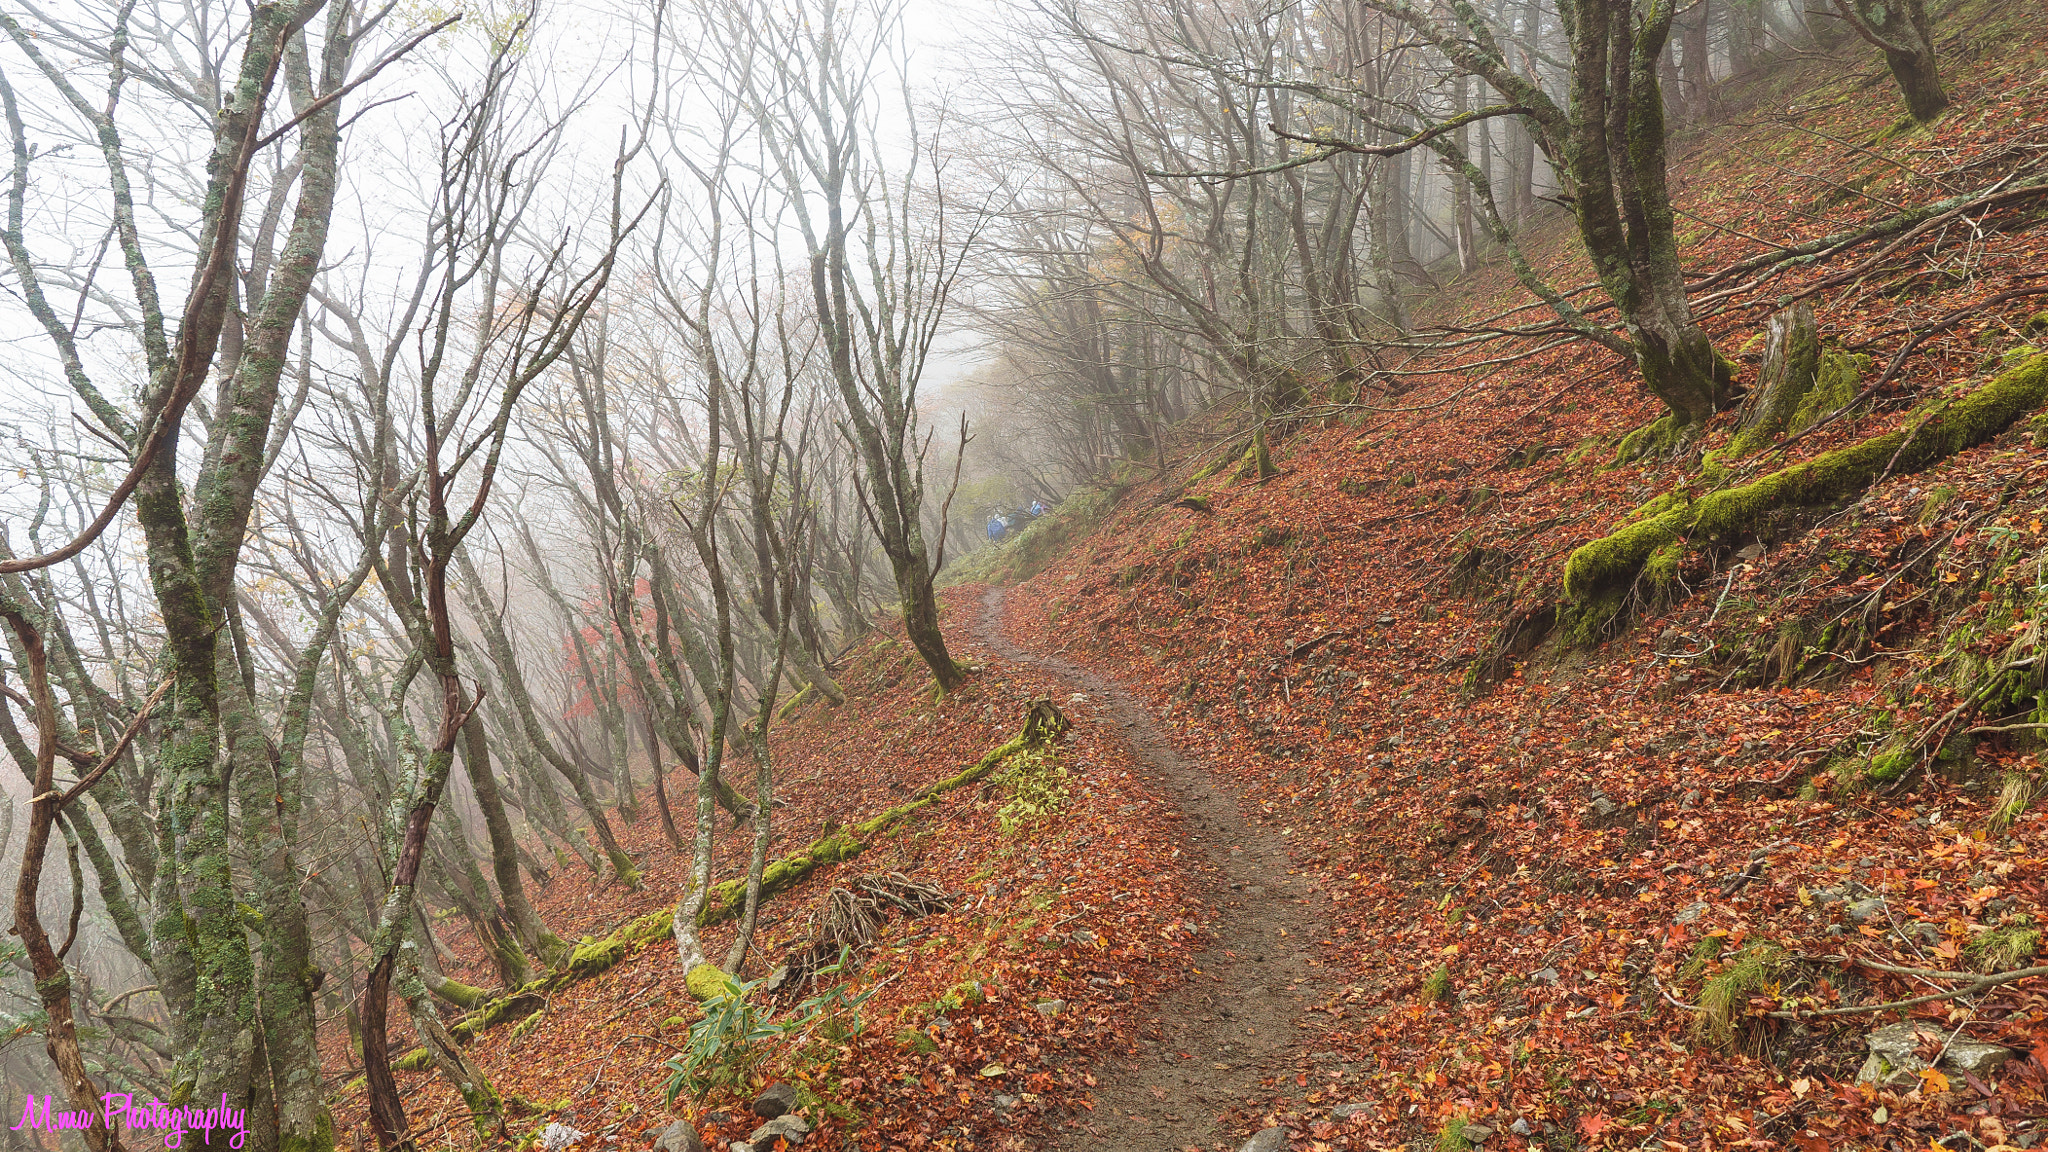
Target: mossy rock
pixel 2036 324
pixel 707 981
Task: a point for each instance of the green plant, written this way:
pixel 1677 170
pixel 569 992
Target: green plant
pixel 2015 794
pixel 1723 1018
pixel 734 1036
pixel 1037 784
pixel 2005 948
pixel 1437 989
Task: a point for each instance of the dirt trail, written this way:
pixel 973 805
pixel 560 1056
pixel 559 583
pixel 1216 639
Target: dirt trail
pixel 1210 1042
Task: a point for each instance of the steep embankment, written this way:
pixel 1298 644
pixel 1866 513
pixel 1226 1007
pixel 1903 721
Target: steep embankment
pixel 1630 865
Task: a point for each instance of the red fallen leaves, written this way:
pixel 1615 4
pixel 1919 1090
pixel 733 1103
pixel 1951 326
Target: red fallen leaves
pixel 1623 797
pixel 961 986
pixel 1631 803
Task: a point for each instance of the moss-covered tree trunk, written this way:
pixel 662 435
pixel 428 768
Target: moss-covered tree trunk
pixel 1607 142
pixel 1902 30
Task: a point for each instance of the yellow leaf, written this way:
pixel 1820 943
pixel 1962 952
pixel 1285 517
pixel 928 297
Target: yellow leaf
pixel 1933 1081
pixel 1805 897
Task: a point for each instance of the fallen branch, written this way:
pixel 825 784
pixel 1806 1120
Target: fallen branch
pixel 1977 984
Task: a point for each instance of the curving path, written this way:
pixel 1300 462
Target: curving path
pixel 1235 1023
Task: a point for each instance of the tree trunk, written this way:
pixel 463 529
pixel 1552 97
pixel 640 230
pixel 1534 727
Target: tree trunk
pixel 52 979
pixel 1461 190
pixel 1919 81
pixel 668 820
pixel 1902 30
pixel 1697 61
pixel 533 935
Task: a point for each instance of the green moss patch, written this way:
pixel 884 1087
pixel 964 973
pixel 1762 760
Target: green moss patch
pixel 708 980
pixel 2007 948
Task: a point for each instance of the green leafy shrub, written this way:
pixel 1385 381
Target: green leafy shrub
pixel 737 1034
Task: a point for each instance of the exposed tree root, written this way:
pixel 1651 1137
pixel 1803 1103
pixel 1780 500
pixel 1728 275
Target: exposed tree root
pixel 1601 576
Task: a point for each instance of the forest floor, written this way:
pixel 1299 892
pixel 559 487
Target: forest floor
pixel 1791 783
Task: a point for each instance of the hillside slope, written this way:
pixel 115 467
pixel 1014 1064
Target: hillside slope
pixel 1613 880
pixel 1791 776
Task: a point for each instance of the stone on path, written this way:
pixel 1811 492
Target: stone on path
pixel 1273 1139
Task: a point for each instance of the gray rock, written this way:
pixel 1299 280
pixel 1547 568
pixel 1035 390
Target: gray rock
pixel 1273 1139
pixel 739 1146
pixel 1866 909
pixel 1690 913
pixel 1895 1041
pixel 1547 975
pixel 1520 1128
pixel 1892 1062
pixel 1006 1102
pixel 558 1136
pixel 1347 1111
pixel 680 1136
pixel 775 1100
pixel 1083 936
pixel 1602 806
pixel 1976 1058
pixel 790 1128
pixel 1477 1133
pixel 1051 1007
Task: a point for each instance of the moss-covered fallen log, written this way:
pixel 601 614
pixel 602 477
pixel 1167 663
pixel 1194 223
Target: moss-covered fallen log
pixel 593 957
pixel 845 843
pixel 1599 575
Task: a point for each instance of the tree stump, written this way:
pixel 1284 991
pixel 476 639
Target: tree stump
pixel 1044 722
pixel 1791 362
